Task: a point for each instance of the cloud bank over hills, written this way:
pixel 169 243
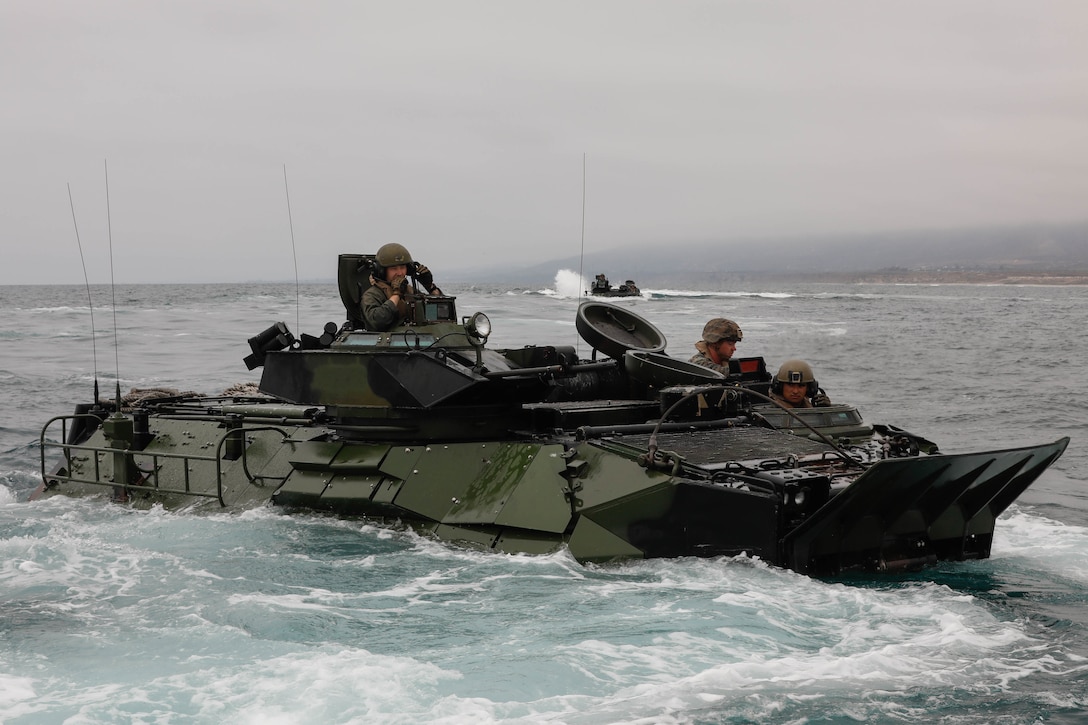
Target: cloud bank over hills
pixel 1037 249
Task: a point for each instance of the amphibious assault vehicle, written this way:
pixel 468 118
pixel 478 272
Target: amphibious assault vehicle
pixel 601 287
pixel 629 453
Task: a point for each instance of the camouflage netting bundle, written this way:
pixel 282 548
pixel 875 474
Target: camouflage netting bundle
pixel 243 390
pixel 136 396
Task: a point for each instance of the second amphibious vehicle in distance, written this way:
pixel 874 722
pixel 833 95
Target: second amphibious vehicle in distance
pixel 601 287
pixel 627 454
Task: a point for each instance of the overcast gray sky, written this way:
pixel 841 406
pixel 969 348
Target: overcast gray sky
pixel 458 128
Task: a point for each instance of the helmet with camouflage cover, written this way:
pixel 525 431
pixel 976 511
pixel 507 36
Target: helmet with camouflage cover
pixel 720 329
pixel 797 372
pixel 391 255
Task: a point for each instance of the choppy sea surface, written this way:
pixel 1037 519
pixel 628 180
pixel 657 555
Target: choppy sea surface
pixel 109 615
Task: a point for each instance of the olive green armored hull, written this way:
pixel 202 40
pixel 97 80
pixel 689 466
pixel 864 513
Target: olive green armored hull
pixel 719 491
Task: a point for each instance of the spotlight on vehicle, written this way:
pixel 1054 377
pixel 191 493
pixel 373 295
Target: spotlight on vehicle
pixel 478 328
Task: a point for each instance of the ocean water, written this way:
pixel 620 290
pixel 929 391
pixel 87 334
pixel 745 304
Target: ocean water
pixel 109 615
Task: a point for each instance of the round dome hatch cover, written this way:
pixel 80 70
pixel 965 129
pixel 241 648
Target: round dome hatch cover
pixel 662 371
pixel 614 330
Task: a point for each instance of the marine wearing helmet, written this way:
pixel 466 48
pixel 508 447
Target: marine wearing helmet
pixel 794 386
pixel 394 281
pixel 391 255
pixel 720 338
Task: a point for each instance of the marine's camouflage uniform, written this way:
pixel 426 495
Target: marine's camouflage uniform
pixel 379 311
pixel 701 358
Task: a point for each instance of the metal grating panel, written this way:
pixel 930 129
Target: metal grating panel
pixel 732 444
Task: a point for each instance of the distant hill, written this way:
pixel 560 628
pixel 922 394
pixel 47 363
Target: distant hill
pixel 1032 251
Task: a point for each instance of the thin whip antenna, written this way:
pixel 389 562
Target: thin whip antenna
pixel 294 256
pixel 87 284
pixel 113 288
pixel 582 252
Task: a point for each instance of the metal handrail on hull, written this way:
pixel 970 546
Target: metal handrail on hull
pixel 152 473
